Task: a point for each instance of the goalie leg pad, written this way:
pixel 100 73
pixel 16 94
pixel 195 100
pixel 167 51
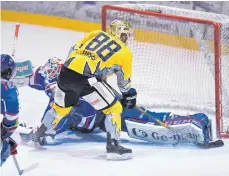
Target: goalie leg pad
pixel 157 134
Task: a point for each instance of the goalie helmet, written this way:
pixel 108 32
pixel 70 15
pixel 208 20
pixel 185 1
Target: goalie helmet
pixel 53 67
pixel 121 30
pixel 8 66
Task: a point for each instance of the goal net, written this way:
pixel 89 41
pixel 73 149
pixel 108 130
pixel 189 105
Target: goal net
pixel 180 58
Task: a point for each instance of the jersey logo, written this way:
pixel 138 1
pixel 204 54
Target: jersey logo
pixel 139 133
pixel 88 54
pixel 131 98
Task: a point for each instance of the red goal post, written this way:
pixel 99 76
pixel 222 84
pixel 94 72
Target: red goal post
pixel 132 13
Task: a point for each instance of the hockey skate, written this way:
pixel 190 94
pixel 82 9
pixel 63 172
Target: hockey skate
pixel 116 151
pixel 35 138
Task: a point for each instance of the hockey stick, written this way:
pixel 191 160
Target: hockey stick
pixel 214 144
pixel 20 171
pixel 17 26
pixel 33 166
pixel 17 165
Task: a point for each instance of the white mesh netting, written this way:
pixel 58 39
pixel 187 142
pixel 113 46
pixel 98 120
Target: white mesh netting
pixel 174 59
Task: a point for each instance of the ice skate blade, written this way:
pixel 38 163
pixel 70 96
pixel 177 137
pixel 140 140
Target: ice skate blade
pixel 32 144
pixel 117 157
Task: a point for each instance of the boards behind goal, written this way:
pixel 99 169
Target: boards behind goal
pixel 180 58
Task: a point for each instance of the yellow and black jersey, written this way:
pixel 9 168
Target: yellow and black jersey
pixel 101 54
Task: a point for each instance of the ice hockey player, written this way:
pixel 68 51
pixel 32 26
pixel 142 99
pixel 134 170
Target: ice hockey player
pixel 9 108
pixel 89 61
pixel 43 78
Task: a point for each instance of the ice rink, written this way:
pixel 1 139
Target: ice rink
pixel 84 154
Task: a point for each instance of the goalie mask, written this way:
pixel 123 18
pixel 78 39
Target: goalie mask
pixel 121 30
pixel 53 67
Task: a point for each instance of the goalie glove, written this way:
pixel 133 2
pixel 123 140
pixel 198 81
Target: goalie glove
pixel 24 70
pixel 129 98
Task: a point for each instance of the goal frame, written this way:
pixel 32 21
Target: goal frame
pixel 217 51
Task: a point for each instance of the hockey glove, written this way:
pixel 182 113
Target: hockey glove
pixel 7 131
pixel 5 151
pixel 8 147
pixel 129 98
pixel 13 146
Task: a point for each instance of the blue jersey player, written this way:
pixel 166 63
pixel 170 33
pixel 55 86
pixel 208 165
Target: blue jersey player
pixel 9 108
pixel 42 78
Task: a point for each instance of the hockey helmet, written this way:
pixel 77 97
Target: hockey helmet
pixel 121 29
pixel 53 67
pixel 8 66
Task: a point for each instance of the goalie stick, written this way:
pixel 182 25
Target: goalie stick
pixel 17 26
pixel 214 144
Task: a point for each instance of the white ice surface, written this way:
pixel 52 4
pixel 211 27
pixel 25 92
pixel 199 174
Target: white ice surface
pixel 84 154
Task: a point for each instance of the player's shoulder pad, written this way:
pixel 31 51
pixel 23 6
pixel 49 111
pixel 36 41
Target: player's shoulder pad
pixel 90 35
pixel 96 32
pixel 125 52
pixel 7 84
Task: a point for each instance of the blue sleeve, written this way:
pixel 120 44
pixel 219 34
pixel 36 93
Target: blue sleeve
pixel 9 100
pixel 10 107
pixel 2 107
pixel 49 93
pixel 50 87
pixel 37 80
pixel 136 114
